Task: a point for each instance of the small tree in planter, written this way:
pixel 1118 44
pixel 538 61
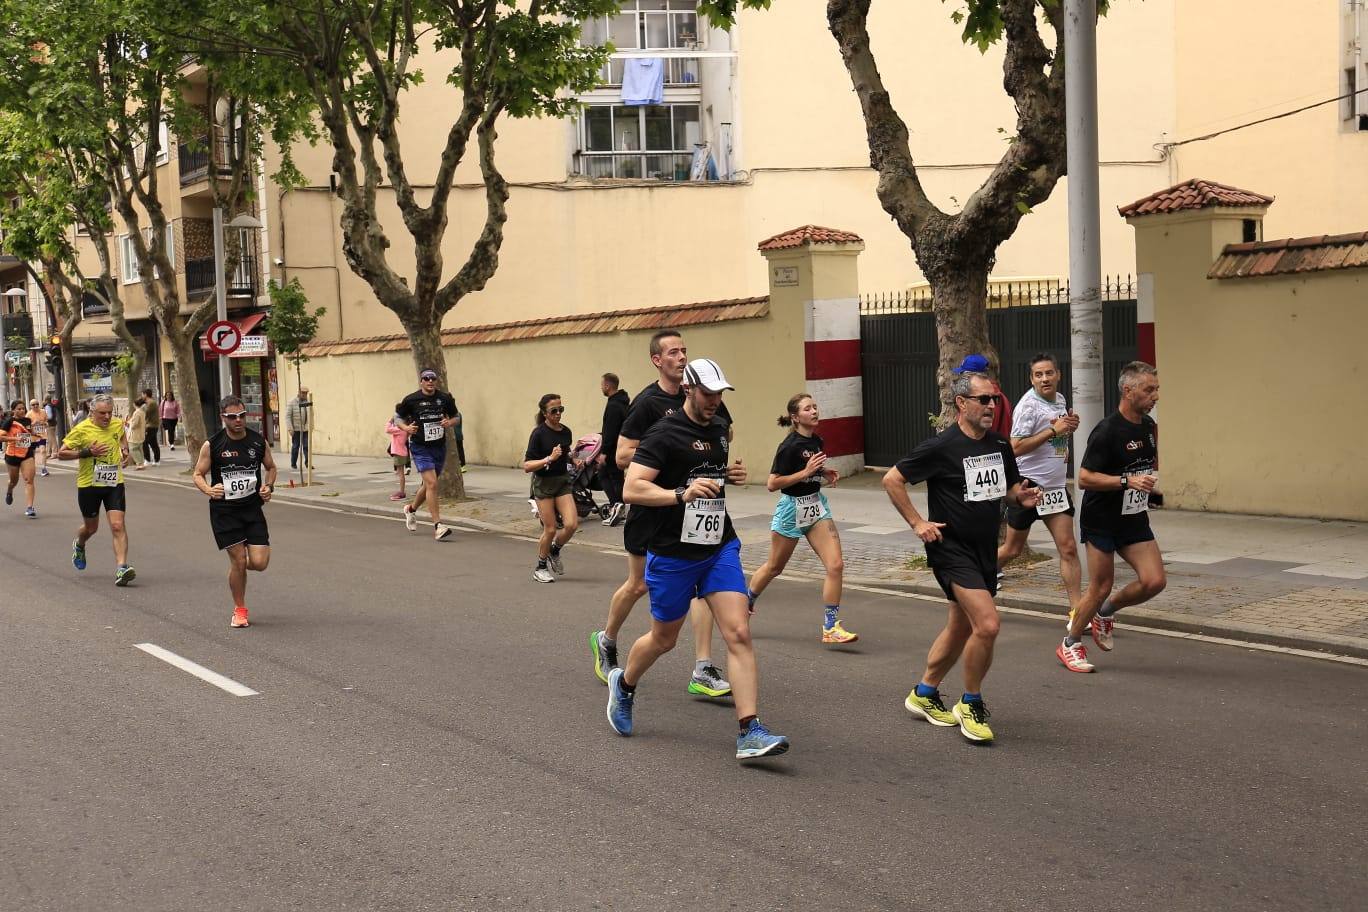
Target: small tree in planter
pixel 290 327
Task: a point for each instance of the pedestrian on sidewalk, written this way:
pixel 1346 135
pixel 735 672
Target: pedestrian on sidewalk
pixel 1118 474
pixel 152 439
pixel 548 461
pixel 425 416
pixel 82 412
pixel 398 450
pixel 137 433
pixel 297 422
pixel 1002 417
pixel 610 476
pixel 170 412
pixel 969 471
pixel 798 472
pixel 38 422
pixel 16 432
pixel 228 472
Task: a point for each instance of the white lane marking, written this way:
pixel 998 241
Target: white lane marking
pixel 199 671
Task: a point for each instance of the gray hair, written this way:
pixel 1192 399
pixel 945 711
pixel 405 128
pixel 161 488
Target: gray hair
pixel 964 382
pixel 102 397
pixel 1131 374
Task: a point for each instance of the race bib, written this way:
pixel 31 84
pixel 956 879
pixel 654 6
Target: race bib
pixel 23 441
pixel 239 483
pixel 1054 500
pixel 433 432
pixel 106 474
pixel 984 477
pixel 808 509
pixel 704 520
pixel 1133 501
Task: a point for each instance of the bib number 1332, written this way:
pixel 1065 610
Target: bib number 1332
pixel 704 520
pixel 985 477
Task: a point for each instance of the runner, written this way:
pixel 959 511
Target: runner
pixel 17 433
pixel 677 481
pixel 547 459
pixel 1118 475
pixel 968 470
pixel 38 417
pixel 798 471
pixel 228 472
pixel 663 397
pixel 1041 430
pixel 99 443
pixel 427 414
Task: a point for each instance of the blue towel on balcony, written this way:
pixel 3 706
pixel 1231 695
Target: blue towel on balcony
pixel 643 81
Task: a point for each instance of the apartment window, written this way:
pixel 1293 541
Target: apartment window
pixel 128 260
pixel 670 26
pixel 641 141
pixel 1353 59
pixel 163 144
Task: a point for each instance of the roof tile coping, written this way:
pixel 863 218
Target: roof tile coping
pixel 809 234
pixel 674 316
pixel 1192 195
pixel 1289 256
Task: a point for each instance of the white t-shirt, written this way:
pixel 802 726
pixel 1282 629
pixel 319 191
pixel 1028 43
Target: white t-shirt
pixel 1048 464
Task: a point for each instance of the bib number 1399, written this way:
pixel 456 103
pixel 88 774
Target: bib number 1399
pixel 1134 501
pixel 704 520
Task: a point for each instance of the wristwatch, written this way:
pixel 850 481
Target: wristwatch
pixel 679 495
pixel 1125 482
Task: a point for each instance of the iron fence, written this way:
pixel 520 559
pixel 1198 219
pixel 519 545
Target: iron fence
pixel 1001 295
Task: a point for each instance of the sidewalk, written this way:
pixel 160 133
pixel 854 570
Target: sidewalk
pixel 1291 582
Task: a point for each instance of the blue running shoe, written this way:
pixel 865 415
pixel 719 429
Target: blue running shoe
pixel 619 704
pixel 78 555
pixel 756 741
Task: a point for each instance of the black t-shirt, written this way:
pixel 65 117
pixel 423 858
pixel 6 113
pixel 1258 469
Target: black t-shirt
pixel 793 454
pixel 236 464
pixel 427 412
pixel 614 414
pixel 542 442
pixel 1116 447
pixel 949 463
pixel 652 404
pixel 682 451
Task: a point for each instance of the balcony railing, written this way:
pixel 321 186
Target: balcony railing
pixel 197 159
pixel 199 277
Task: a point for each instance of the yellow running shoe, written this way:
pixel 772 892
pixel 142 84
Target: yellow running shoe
pixel 929 708
pixel 973 720
pixel 838 634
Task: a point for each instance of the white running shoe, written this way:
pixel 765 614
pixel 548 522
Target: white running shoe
pixel 410 520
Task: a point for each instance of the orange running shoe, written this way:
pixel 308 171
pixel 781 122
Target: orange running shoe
pixel 838 634
pixel 239 618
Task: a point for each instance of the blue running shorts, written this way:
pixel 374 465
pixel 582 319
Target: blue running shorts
pixel 428 458
pixel 673 582
pixel 786 517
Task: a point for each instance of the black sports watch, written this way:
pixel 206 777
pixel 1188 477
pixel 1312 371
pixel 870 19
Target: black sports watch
pixel 679 495
pixel 1125 481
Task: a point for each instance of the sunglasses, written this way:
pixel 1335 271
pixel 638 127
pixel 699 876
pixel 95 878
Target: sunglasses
pixel 428 377
pixel 555 411
pixel 234 416
pixel 985 399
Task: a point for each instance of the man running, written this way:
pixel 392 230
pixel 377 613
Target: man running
pixel 1041 430
pixel 663 397
pixel 16 432
pixel 968 471
pixel 228 472
pixel 427 414
pixel 677 480
pixel 100 445
pixel 1118 474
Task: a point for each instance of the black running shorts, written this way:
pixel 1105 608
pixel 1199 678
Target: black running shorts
pixel 238 526
pixel 636 532
pixel 966 573
pixel 92 498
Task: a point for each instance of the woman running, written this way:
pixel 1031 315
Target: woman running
pixel 798 471
pixel 16 432
pixel 548 460
pixel 38 425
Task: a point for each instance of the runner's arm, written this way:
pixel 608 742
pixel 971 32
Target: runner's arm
pixel 1023 445
pixel 626 449
pixel 201 473
pixel 1089 480
pixel 896 487
pixel 269 464
pixel 640 488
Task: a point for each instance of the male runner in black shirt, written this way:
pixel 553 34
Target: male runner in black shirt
pixel 427 414
pixel 677 482
pixel 663 397
pixel 1118 474
pixel 228 472
pixel 968 470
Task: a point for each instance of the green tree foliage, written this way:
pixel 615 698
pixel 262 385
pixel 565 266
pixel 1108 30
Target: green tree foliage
pixel 291 324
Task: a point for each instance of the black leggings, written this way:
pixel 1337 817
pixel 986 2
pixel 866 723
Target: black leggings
pixel 611 477
pixel 151 447
pixel 169 425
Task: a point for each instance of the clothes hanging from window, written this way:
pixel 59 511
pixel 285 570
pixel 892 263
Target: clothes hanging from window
pixel 643 81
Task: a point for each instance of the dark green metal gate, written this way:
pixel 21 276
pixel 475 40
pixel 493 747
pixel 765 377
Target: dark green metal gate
pixel 899 354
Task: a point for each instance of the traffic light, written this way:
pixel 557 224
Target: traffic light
pixel 54 353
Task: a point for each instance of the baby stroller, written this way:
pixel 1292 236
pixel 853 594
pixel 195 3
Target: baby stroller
pixel 584 475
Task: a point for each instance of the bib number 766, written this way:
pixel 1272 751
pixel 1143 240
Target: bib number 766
pixel 704 520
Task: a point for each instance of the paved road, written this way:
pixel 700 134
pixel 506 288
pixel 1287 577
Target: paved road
pixel 428 736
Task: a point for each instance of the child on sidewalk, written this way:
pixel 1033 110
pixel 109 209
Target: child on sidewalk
pixel 398 448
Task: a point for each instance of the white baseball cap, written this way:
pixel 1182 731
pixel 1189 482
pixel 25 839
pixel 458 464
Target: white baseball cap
pixel 706 373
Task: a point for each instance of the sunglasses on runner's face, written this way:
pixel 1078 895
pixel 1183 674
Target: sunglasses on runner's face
pixel 556 411
pixel 985 399
pixel 234 416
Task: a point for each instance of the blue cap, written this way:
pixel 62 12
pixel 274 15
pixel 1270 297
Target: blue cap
pixel 976 363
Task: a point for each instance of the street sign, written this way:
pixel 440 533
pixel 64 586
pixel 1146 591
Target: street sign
pixel 223 337
pixel 17 357
pixel 253 347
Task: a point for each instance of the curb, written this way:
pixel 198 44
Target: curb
pixel 1158 619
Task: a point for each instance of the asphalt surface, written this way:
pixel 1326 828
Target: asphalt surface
pixel 428 735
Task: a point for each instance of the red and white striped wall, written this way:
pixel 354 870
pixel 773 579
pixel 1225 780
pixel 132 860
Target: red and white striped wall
pixel 1144 324
pixel 831 342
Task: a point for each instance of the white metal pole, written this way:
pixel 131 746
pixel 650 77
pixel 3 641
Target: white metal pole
pixel 1085 222
pixel 225 369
